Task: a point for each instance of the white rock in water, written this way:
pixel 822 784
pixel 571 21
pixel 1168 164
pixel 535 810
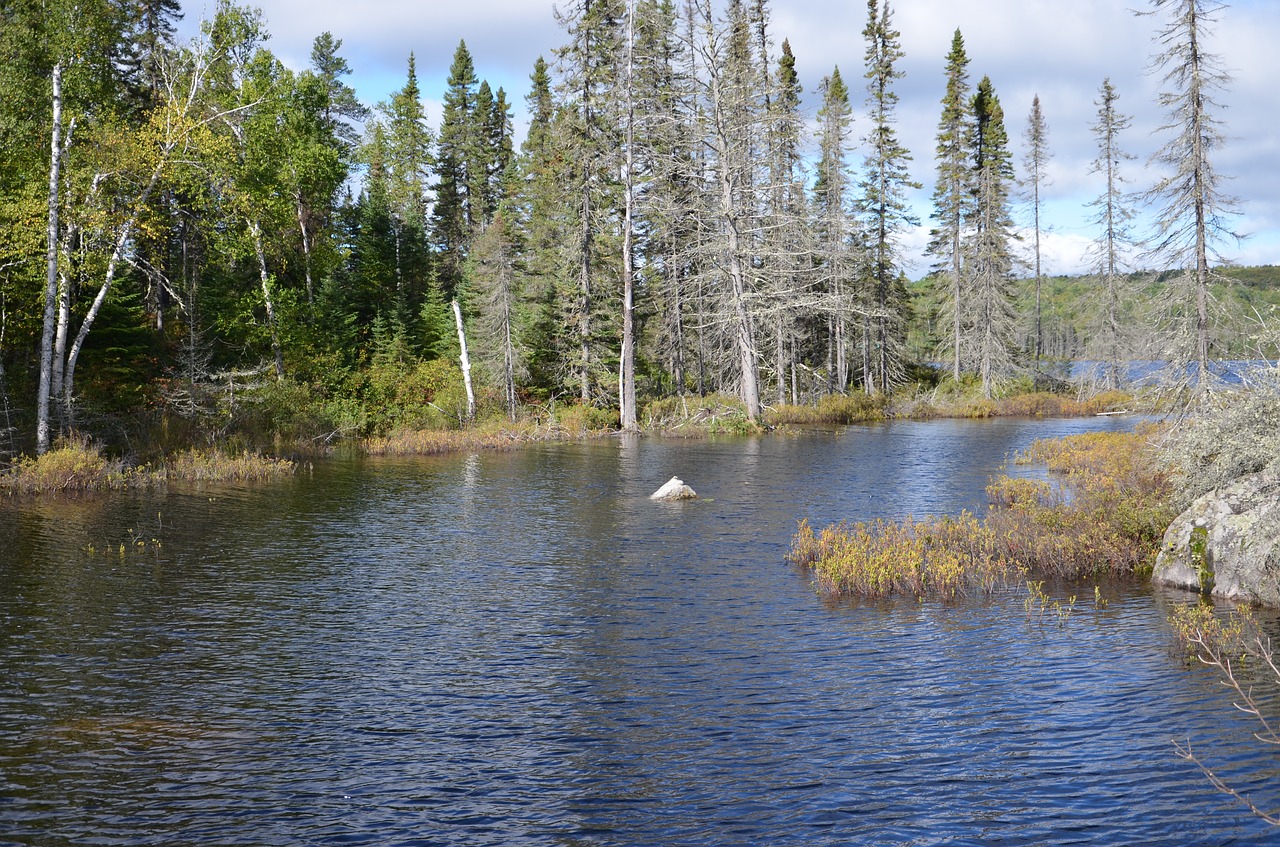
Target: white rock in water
pixel 674 489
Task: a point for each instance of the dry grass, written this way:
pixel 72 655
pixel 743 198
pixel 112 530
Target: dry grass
pixel 1106 516
pixel 78 466
pixel 1039 404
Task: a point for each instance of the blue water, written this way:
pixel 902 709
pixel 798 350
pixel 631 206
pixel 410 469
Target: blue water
pixel 521 649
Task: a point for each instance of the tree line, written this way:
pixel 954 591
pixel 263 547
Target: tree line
pixel 197 218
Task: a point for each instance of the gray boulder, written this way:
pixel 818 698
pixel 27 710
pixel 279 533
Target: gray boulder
pixel 1228 542
pixel 674 489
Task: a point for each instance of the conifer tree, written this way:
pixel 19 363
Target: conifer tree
pixel 732 118
pixel 459 190
pixel 541 223
pixel 952 189
pixel 835 236
pixel 788 225
pixel 990 234
pixel 589 76
pixel 883 203
pixel 1035 163
pixel 1192 208
pixel 1112 215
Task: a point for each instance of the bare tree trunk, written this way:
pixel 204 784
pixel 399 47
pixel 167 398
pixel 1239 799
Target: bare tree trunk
pixel 627 379
pixel 465 361
pixel 51 278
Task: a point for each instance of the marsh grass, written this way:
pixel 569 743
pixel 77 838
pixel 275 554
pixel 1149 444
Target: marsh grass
pixel 1105 515
pixel 832 409
pixel 79 466
pixel 1034 404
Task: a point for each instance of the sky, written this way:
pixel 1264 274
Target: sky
pixel 1059 51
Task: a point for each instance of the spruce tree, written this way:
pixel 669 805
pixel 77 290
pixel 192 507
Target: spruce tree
pixel 990 235
pixel 883 204
pixel 1112 215
pixel 835 237
pixel 1192 209
pixel 1035 163
pixel 952 189
pixel 459 190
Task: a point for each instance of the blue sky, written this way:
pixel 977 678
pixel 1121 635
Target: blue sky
pixel 1061 51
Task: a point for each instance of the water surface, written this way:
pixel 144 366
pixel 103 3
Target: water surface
pixel 519 648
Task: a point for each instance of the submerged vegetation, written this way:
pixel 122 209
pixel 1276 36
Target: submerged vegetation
pixel 1102 511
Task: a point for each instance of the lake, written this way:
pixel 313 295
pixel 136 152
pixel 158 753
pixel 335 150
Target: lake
pixel 519 648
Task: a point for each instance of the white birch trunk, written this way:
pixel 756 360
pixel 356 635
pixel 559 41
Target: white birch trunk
pixel 465 361
pixel 51 278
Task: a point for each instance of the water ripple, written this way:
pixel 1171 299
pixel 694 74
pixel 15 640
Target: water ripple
pixel 519 649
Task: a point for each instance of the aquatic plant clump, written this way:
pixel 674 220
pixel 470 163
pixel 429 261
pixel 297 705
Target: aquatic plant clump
pixel 1106 515
pixel 81 467
pixel 943 557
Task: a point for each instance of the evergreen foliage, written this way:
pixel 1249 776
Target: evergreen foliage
pixel 234 244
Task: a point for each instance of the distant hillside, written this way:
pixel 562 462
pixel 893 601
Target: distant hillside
pixel 1071 305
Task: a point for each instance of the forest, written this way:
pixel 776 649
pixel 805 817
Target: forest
pixel 201 244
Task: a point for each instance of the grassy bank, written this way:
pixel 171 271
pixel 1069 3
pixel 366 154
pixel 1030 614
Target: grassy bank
pixel 286 419
pixel 1102 512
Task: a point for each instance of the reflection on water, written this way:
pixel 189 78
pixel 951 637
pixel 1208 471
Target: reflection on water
pixel 520 648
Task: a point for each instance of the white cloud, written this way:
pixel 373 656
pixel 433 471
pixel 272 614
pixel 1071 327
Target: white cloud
pixel 1062 51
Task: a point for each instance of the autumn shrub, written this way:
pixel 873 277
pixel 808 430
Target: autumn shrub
pixel 412 396
pixel 72 465
pixel 219 466
pixel 430 442
pixel 578 419
pixel 941 557
pixel 1103 511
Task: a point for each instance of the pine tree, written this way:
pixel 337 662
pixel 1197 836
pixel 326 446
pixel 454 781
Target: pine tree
pixel 883 204
pixel 1112 215
pixel 1191 206
pixel 341 108
pixel 459 190
pixel 988 247
pixel 952 189
pixel 835 237
pixel 1036 164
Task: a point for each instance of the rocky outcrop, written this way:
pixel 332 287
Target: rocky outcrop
pixel 1228 542
pixel 674 489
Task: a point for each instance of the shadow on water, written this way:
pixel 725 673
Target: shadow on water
pixel 521 648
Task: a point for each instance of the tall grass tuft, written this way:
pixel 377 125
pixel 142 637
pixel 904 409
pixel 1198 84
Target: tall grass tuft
pixel 74 465
pixel 216 466
pixel 78 466
pixel 941 557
